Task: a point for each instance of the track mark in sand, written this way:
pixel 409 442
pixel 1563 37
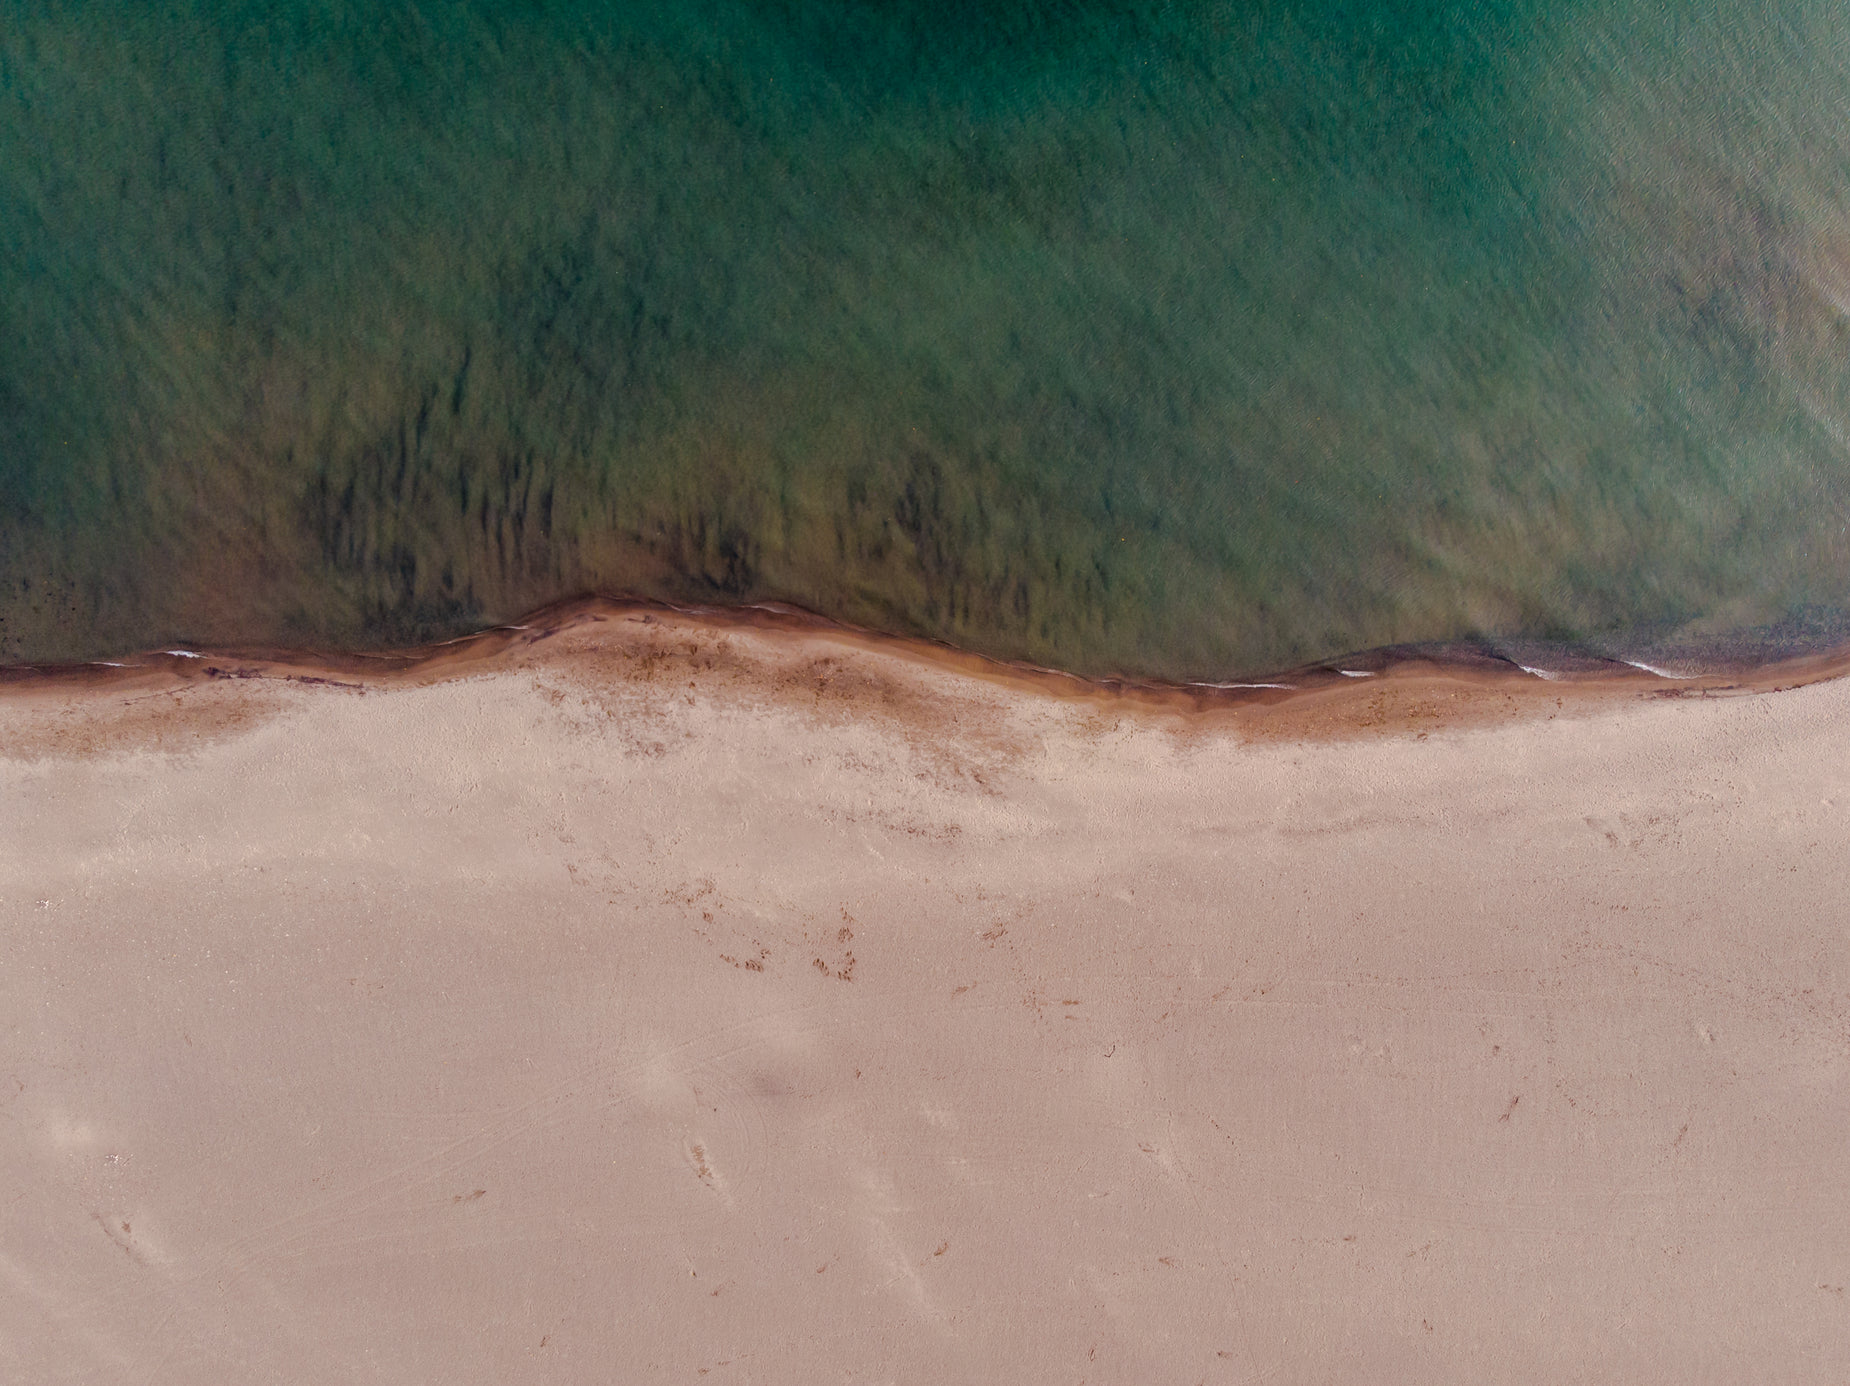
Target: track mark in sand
pixel 123 1238
pixel 730 943
pixel 697 1157
pixel 1511 1109
pixel 466 1198
pixel 594 1088
pixel 842 970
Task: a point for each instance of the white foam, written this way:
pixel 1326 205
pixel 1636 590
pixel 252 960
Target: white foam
pixel 1356 673
pixel 1539 673
pixel 1242 685
pixel 1653 669
pixel 182 654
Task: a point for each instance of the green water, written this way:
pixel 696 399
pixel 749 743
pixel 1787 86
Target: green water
pixel 1189 340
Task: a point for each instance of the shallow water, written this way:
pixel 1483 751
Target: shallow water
pixel 1171 340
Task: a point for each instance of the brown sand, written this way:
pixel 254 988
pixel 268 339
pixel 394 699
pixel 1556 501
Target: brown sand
pixel 644 998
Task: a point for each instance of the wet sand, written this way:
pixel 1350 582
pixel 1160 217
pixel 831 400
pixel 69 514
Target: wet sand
pixel 661 996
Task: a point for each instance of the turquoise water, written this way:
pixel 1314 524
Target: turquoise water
pixel 1187 340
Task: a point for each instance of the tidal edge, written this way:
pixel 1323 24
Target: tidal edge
pixel 1344 694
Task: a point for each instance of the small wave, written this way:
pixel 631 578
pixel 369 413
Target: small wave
pixel 183 654
pixel 1356 673
pixel 1653 669
pixel 1539 673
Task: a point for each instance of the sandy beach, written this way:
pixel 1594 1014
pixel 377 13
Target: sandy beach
pixel 655 997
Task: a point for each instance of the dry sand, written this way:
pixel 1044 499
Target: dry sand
pixel 666 1001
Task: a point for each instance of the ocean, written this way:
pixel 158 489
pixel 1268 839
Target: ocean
pixel 1183 341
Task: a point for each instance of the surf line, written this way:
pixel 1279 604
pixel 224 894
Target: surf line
pixel 1653 669
pixel 1200 684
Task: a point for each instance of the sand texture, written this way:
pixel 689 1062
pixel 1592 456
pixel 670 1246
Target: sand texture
pixel 659 1001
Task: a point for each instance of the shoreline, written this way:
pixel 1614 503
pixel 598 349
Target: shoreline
pixel 1391 688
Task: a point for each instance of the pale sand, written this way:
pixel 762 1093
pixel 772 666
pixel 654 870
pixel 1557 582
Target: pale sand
pixel 791 1011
